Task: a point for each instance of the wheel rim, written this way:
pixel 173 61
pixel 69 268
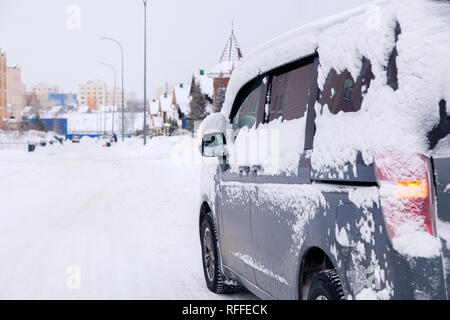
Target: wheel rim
pixel 208 254
pixel 321 297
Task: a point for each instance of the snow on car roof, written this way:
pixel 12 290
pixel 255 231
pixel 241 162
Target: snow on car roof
pixel 399 117
pixel 286 48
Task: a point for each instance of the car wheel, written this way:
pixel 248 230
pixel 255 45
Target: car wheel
pixel 326 286
pixel 210 257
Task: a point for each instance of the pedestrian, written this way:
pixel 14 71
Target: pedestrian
pixel 115 137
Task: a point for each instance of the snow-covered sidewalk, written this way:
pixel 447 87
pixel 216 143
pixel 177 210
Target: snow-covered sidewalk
pixel 124 217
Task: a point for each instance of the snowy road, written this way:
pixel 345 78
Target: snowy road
pixel 124 219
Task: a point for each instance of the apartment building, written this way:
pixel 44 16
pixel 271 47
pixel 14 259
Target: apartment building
pixel 43 88
pixel 42 92
pixel 15 90
pixel 110 98
pixel 92 94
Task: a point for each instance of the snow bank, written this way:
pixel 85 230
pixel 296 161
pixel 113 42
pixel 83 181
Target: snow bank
pixel 88 140
pixel 100 121
pixel 126 216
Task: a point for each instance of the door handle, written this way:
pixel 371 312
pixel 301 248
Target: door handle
pixel 245 169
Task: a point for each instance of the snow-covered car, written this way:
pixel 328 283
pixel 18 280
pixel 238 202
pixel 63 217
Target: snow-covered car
pixel 76 139
pixel 327 173
pixel 37 137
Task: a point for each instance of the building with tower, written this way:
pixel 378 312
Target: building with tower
pixel 221 73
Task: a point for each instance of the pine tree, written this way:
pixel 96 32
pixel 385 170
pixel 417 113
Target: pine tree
pixel 198 103
pixel 220 98
pixel 39 122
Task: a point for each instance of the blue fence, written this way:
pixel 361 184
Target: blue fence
pixel 57 125
pixel 69 136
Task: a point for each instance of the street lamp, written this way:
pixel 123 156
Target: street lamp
pixel 145 72
pixel 104 110
pixel 123 99
pixel 114 101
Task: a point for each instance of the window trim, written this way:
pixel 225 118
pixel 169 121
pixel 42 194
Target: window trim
pixel 243 94
pixel 310 116
pixel 286 70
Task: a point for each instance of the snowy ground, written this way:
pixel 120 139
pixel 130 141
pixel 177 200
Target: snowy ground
pixel 124 217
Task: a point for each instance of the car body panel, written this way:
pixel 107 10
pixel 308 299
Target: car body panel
pixel 234 209
pixel 441 166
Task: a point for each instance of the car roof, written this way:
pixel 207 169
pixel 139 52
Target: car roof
pixel 289 47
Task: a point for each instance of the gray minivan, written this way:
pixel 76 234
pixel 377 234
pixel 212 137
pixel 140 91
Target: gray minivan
pixel 342 222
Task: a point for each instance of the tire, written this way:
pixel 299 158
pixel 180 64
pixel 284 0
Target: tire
pixel 210 258
pixel 326 286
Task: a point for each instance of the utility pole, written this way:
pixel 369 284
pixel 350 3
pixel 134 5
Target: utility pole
pixel 145 72
pixel 115 85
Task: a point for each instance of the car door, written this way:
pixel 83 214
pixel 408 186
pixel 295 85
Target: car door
pixel 236 192
pixel 274 214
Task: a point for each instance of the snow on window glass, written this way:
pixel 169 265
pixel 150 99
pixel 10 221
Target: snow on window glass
pixel 341 93
pixel 275 146
pixel 278 144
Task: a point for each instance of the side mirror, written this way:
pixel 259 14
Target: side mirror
pixel 213 145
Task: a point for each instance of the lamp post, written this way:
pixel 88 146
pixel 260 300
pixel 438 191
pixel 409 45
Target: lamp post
pixel 123 99
pixel 145 72
pixel 98 107
pixel 114 100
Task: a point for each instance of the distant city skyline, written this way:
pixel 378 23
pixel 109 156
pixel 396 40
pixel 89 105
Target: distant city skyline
pixel 51 45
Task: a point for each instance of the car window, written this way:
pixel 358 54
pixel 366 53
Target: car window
pixel 290 93
pixel 392 71
pixel 247 114
pixel 342 93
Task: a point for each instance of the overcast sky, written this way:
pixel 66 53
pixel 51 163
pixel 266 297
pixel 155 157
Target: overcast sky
pixel 183 36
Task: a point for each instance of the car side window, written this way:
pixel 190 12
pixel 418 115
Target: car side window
pixel 342 93
pixel 392 70
pixel 247 115
pixel 290 93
